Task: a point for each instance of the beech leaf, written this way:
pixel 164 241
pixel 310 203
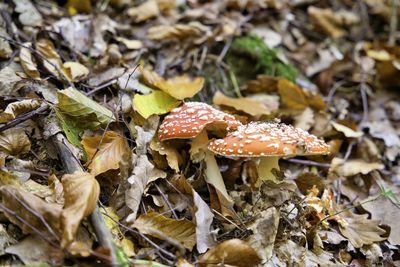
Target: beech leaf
pixel 82 108
pixel 81 192
pixel 155 103
pixel 233 252
pixel 104 151
pixel 156 225
pixel 27 62
pixel 17 108
pixel 353 166
pixel 14 142
pixel 179 87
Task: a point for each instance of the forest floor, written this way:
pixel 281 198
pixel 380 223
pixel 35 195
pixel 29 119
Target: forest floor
pixel 86 178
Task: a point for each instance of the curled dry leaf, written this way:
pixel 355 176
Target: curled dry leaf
pixel 14 142
pixel 174 159
pixel 17 108
pixel 130 44
pixel 233 252
pixel 359 230
pixel 144 172
pixel 179 87
pixel 49 56
pixel 155 103
pixel 294 97
pixel 104 151
pixel 145 11
pixel 253 107
pixel 27 62
pixel 348 132
pixel 193 31
pixel 75 71
pixel 22 206
pixel 353 167
pixel 82 108
pixel 81 192
pixel 332 23
pixel 182 231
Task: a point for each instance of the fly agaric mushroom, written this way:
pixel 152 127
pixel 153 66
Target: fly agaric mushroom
pixel 268 141
pixel 191 121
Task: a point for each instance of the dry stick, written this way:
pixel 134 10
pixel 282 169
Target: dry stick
pixel 166 201
pixel 23 118
pixel 393 22
pixel 309 162
pixel 72 164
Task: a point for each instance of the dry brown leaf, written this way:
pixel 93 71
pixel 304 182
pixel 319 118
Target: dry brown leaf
pixel 173 157
pixel 181 231
pixel 130 44
pixel 193 30
pixel 14 142
pixel 27 62
pixel 234 252
pixel 50 58
pixel 332 23
pixel 353 166
pixel 144 173
pixel 147 10
pixel 104 152
pixel 75 71
pixel 17 108
pixel 348 132
pixel 264 230
pixel 359 230
pixel 81 192
pixel 248 105
pixel 21 203
pixel 179 87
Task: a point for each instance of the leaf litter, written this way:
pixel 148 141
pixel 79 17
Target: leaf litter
pixel 104 74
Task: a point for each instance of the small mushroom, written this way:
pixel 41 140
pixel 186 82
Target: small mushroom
pixel 191 121
pixel 268 141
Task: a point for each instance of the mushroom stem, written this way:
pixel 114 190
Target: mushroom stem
pixel 265 167
pixel 212 172
pixel 213 175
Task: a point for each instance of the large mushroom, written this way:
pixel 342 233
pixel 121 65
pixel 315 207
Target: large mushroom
pixel 192 120
pixel 268 141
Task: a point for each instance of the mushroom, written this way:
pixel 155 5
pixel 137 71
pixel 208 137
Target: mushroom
pixel 191 121
pixel 268 141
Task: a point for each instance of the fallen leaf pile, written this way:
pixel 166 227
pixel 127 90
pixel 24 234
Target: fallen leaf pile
pixel 87 179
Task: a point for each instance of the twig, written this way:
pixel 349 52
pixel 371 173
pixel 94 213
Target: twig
pixel 72 164
pixel 166 201
pixel 393 22
pixel 309 162
pixel 165 252
pixel 23 118
pixel 364 98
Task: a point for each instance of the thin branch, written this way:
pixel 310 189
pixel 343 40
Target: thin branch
pixel 309 163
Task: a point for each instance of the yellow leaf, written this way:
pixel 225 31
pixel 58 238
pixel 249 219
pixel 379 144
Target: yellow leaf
pixel 81 192
pixel 171 153
pixel 130 44
pixel 75 71
pixel 292 96
pixel 180 87
pixel 14 142
pixel 104 152
pixel 250 106
pixel 17 108
pixel 181 231
pixel 27 62
pixel 149 9
pixel 78 6
pixel 234 252
pixel 348 132
pixel 156 102
pixel 381 55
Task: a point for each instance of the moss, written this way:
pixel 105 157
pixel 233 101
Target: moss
pixel 249 56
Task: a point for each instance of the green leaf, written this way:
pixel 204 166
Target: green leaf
pixel 70 128
pixel 157 102
pixel 89 113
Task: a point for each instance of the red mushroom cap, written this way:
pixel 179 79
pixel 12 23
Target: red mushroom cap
pixel 268 139
pixel 188 120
